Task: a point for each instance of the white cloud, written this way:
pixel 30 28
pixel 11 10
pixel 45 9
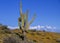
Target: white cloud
pixel 38 27
pixel 11 27
pixel 46 28
pixel 54 27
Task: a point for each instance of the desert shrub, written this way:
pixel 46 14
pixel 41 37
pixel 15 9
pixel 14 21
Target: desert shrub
pixel 34 41
pixel 34 30
pixel 3 27
pixel 5 31
pixel 10 40
pixel 38 33
pixel 32 33
pixel 42 38
pixel 44 31
pixel 43 34
pixel 2 32
pixel 17 34
pixel 47 37
pixel 8 31
pixel 20 36
pixel 58 40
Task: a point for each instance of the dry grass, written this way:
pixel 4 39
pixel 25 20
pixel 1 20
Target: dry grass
pixel 43 37
pixel 37 37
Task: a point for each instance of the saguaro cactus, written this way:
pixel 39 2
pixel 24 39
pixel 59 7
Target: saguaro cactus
pixel 23 21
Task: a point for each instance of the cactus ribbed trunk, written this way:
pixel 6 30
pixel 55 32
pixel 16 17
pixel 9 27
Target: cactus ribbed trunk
pixel 23 22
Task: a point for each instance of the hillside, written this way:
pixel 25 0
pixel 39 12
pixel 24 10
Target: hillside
pixel 14 36
pixel 43 37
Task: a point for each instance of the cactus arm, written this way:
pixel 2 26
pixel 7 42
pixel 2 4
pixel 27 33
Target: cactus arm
pixel 21 9
pixel 27 14
pixel 32 19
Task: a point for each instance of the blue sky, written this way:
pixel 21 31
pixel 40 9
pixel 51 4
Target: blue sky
pixel 47 12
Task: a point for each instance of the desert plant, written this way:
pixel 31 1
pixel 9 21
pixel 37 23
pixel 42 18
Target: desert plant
pixel 34 41
pixel 58 40
pixel 38 33
pixel 44 31
pixel 23 21
pixel 34 30
pixel 10 40
pixel 47 38
pixel 32 33
pixel 3 27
